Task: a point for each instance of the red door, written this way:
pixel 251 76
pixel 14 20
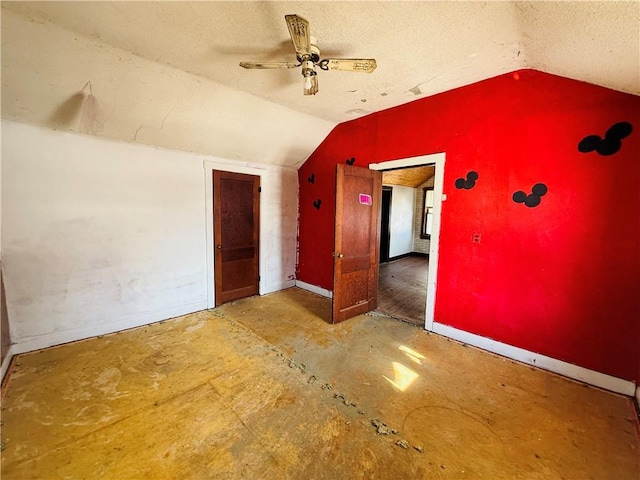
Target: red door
pixel 357 238
pixel 236 232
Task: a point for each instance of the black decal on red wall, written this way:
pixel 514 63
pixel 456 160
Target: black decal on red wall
pixel 351 161
pixel 611 142
pixel 534 198
pixel 467 183
pixel 317 204
pixel 312 178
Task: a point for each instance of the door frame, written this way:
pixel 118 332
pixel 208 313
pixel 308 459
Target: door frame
pixel 438 185
pixel 247 169
pixel 385 188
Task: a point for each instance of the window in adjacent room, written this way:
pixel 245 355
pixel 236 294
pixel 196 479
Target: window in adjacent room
pixel 427 212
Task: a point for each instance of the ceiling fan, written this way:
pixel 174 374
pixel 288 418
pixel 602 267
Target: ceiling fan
pixel 308 56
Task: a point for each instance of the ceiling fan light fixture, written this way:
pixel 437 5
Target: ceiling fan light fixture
pixel 310 86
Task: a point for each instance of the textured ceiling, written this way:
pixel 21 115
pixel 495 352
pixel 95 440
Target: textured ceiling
pixel 422 48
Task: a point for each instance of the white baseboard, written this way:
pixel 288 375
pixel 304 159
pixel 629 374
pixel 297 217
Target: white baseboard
pixel 6 362
pixel 575 372
pixel 58 338
pixel 314 289
pixel 277 286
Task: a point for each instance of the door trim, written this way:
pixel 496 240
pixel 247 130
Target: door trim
pixel 439 160
pixel 249 169
pixel 385 188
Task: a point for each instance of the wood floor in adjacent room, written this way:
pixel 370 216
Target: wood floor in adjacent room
pixel 402 288
pixel 265 388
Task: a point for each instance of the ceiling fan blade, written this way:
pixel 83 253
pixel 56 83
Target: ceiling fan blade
pixel 263 65
pixel 299 31
pixel 366 65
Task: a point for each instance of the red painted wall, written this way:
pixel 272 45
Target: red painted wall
pixel 562 278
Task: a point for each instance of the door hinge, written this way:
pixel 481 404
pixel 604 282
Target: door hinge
pixel 259 189
pixel 258 277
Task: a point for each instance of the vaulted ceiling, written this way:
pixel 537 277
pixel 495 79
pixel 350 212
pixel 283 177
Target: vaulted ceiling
pixel 172 56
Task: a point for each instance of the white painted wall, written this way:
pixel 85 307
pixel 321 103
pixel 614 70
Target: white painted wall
pixel 401 220
pixel 98 235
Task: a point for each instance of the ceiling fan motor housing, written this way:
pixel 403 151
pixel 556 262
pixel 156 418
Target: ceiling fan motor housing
pixel 314 54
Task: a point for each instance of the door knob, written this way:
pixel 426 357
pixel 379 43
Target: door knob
pixel 340 255
pixel 218 246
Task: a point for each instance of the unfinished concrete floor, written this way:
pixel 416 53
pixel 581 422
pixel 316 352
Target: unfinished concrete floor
pixel 242 391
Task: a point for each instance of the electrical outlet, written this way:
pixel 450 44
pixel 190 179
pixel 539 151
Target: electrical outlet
pixel 475 238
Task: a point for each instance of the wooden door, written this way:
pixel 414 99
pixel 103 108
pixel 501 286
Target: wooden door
pixel 236 233
pixel 357 234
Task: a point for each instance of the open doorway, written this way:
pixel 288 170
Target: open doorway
pixel 407 279
pixel 404 243
pixel 384 224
